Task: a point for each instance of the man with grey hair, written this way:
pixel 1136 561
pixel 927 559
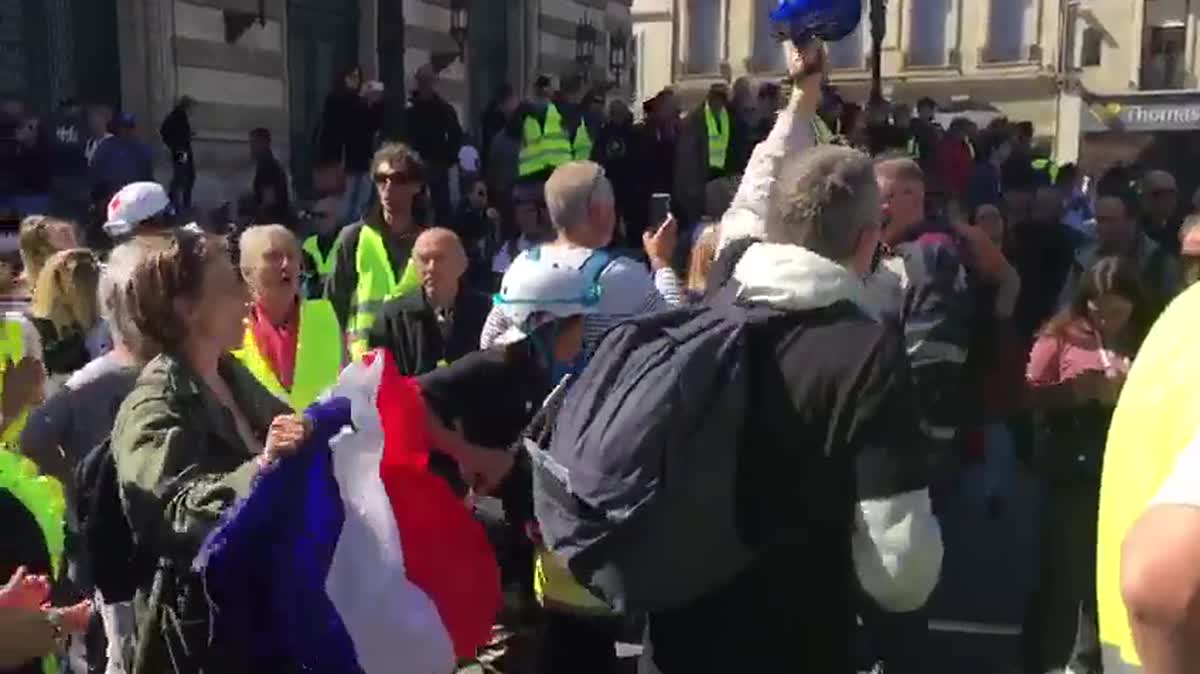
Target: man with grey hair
pixel 832 470
pixel 582 208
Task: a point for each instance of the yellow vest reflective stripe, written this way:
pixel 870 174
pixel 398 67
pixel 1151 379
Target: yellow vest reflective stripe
pixel 821 132
pixel 322 263
pixel 553 585
pixel 1140 454
pixel 718 136
pixel 318 356
pixel 583 142
pixel 376 284
pixel 544 146
pixel 12 349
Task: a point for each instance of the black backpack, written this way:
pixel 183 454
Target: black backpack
pixel 637 491
pixel 117 566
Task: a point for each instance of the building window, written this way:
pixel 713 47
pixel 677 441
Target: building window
pixel 1164 45
pixel 1011 26
pixel 930 32
pixel 768 54
pixel 703 36
pixel 1092 47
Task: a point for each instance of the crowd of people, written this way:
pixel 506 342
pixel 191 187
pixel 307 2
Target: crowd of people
pixel 936 298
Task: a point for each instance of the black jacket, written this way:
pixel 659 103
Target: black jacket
pixel 434 131
pixel 348 128
pixel 408 327
pixel 176 132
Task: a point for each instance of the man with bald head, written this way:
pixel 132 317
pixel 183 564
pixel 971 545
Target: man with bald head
pixel 1160 209
pixel 442 323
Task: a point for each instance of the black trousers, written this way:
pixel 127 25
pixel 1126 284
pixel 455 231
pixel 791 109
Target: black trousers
pixel 578 644
pixel 183 179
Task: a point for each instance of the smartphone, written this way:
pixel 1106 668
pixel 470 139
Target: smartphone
pixel 660 208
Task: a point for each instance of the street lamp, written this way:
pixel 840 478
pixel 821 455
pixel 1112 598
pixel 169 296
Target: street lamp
pixel 585 45
pixel 459 26
pixel 616 55
pixel 878 30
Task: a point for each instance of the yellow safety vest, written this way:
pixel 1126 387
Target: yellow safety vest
pixel 321 262
pixel 376 284
pixel 821 132
pixel 12 350
pixel 582 147
pixel 544 146
pixel 318 356
pixel 1156 418
pixel 718 136
pixel 556 587
pixel 1047 166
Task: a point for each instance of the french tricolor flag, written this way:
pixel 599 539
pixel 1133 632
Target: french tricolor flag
pixel 351 556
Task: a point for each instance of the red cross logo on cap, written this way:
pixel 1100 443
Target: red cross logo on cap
pixel 114 204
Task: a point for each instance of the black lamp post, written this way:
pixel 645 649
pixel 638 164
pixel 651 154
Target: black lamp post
pixel 878 30
pixel 585 45
pixel 459 26
pixel 616 55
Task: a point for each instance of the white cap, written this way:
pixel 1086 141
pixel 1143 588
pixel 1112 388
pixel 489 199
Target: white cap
pixel 536 290
pixel 133 204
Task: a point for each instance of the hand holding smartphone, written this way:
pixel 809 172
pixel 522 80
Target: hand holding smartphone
pixel 660 208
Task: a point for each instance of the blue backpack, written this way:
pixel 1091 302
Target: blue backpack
pixel 636 489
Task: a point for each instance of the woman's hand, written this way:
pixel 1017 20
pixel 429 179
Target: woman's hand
pixel 24 590
pixel 287 433
pixel 74 619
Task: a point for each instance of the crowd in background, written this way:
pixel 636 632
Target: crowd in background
pixel 1022 290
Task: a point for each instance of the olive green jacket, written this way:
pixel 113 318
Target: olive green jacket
pixel 180 463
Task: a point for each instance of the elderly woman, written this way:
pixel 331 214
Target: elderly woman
pixel 189 438
pixel 291 345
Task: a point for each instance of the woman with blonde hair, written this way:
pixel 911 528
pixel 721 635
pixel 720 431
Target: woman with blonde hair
pixel 41 237
pixel 704 253
pixel 65 310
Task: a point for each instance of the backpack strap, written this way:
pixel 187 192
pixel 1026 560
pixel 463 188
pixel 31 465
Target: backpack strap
pixel 723 267
pixel 596 264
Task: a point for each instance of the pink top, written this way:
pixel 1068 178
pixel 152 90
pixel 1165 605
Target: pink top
pixel 1059 358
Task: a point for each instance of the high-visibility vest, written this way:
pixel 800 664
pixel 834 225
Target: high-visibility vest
pixel 582 147
pixel 821 132
pixel 322 262
pixel 1047 166
pixel 318 356
pixel 376 285
pixel 1140 455
pixel 544 146
pixel 12 350
pixel 553 585
pixel 718 136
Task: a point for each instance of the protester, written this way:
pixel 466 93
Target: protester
pixel 1076 370
pixel 121 160
pixel 436 135
pixel 477 225
pixel 321 245
pixel 708 145
pixel 533 227
pixel 442 323
pixel 361 281
pixel 1160 209
pixel 272 203
pixel 580 203
pixel 349 122
pixel 40 238
pixel 820 242
pixel 69 191
pixel 176 134
pixel 64 311
pixel 1189 244
pixel 293 346
pixel 190 437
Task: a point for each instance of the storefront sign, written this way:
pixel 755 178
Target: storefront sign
pixel 1135 115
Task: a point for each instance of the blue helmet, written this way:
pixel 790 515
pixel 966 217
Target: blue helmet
pixel 829 20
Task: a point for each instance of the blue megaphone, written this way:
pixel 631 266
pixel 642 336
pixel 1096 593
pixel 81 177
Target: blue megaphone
pixel 829 20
